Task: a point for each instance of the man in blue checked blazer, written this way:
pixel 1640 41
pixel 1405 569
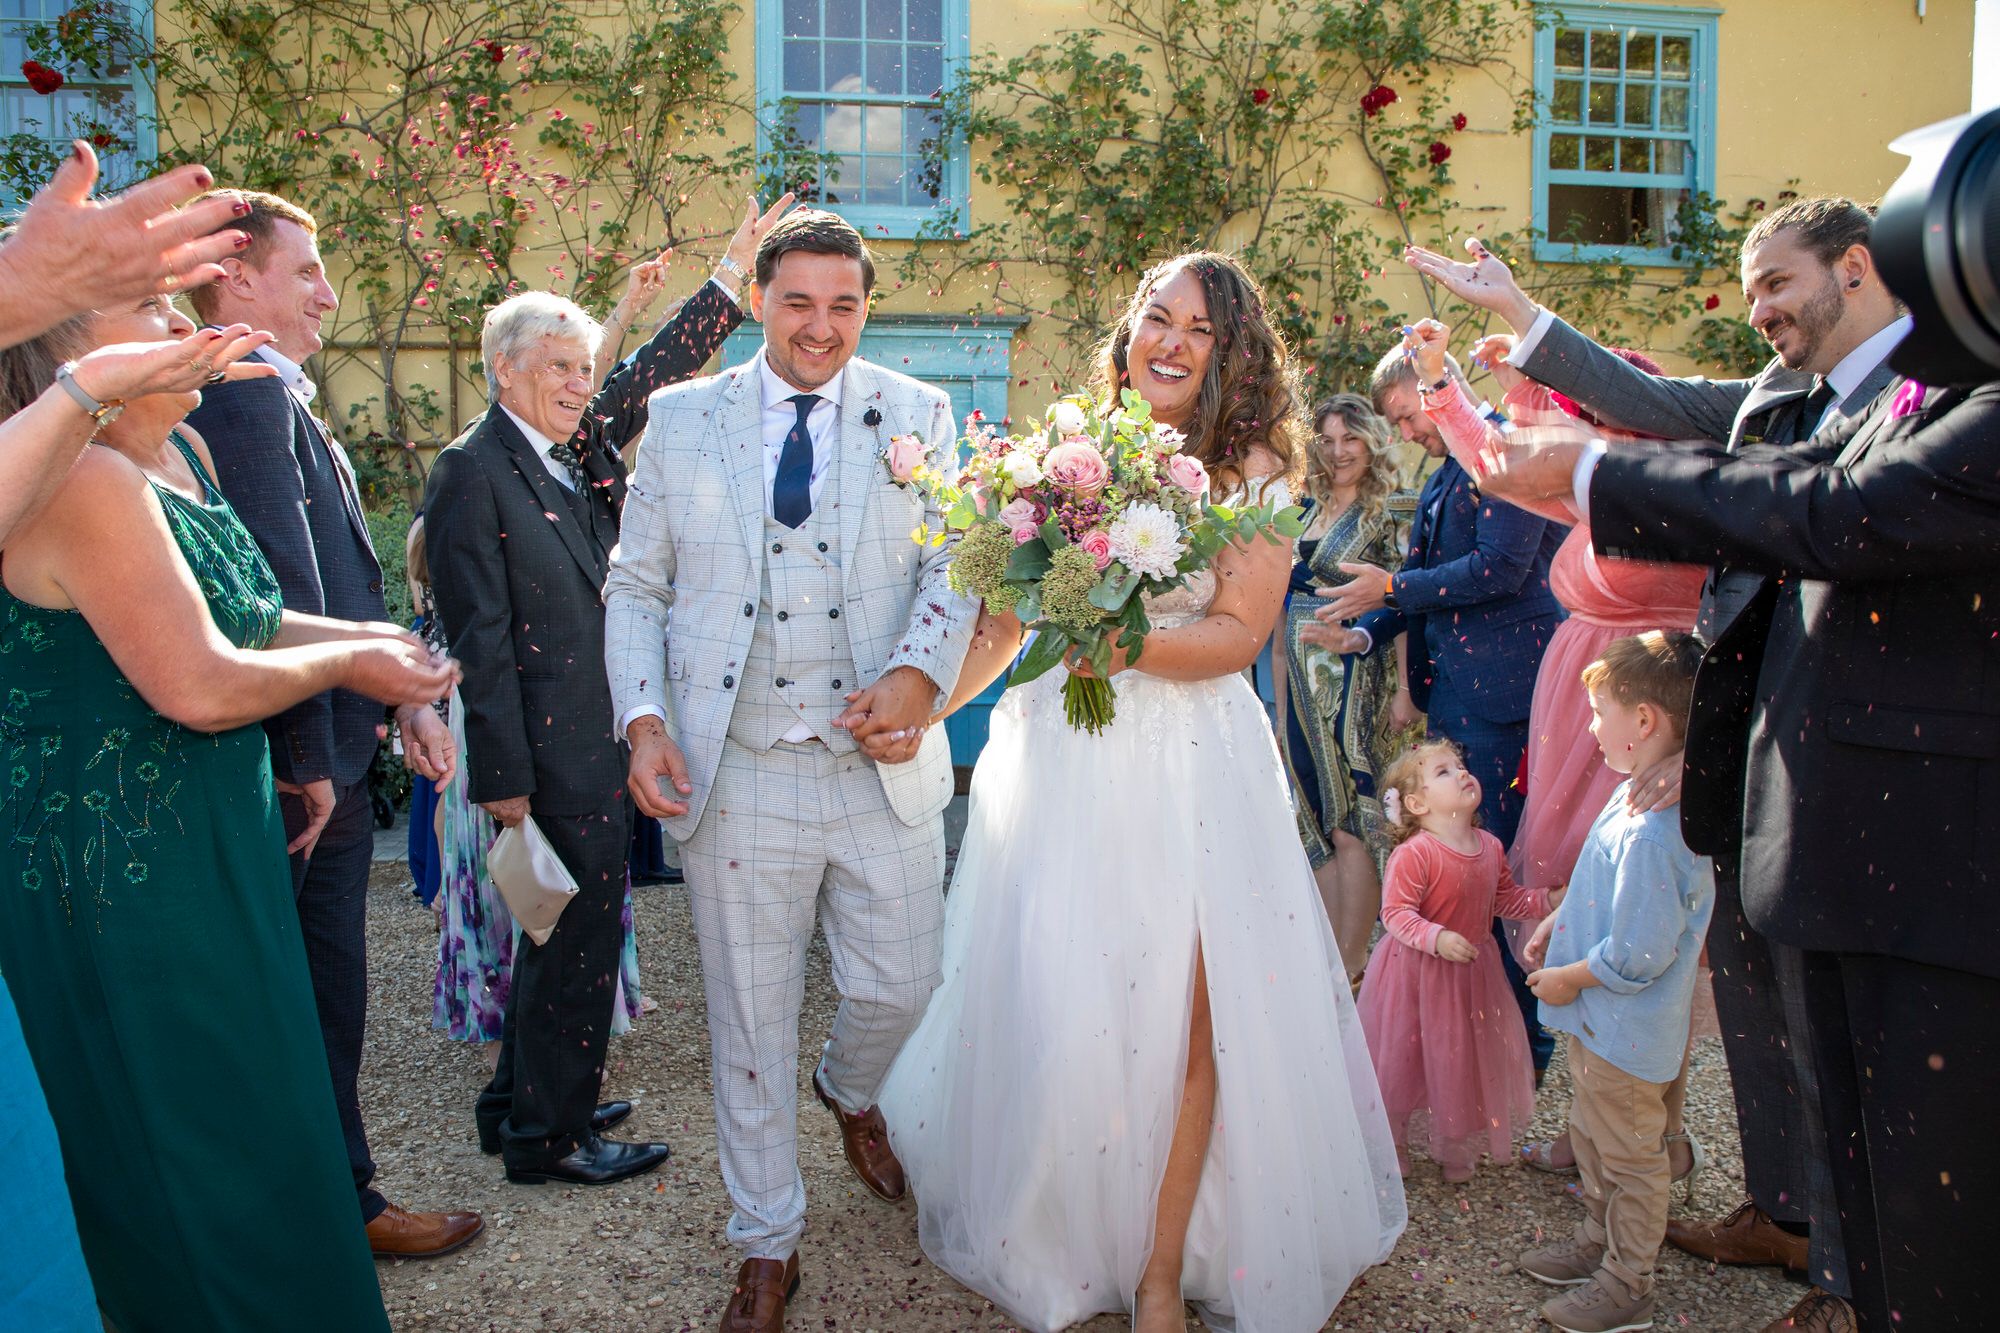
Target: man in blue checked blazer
pixel 289 480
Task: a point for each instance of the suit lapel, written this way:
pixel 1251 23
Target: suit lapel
pixel 550 496
pixel 1430 512
pixel 858 449
pixel 739 433
pixel 1774 387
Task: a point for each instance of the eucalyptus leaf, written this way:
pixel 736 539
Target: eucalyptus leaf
pixel 1029 562
pixel 1045 653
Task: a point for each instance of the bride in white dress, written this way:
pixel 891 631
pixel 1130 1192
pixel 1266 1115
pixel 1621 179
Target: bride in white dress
pixel 1142 1080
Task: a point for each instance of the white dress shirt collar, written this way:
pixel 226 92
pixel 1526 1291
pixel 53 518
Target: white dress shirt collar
pixel 541 444
pixel 291 373
pixel 1860 363
pixel 776 391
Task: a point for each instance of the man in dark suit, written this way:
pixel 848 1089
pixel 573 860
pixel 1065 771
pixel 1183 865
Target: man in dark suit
pixel 288 479
pixel 1474 596
pixel 521 517
pixel 1815 295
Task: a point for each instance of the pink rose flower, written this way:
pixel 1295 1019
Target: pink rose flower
pixel 1025 534
pixel 1077 468
pixel 904 455
pixel 1186 471
pixel 1097 545
pixel 1019 513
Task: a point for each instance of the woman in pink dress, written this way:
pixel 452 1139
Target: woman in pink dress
pixel 1568 781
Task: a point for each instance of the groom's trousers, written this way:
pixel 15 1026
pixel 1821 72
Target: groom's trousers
pixel 789 832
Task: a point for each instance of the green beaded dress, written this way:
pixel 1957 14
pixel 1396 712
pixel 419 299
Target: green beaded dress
pixel 148 934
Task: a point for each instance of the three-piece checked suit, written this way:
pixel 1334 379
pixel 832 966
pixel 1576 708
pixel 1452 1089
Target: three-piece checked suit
pixel 743 631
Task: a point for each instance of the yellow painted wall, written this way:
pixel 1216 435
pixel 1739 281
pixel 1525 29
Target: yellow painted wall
pixel 1811 91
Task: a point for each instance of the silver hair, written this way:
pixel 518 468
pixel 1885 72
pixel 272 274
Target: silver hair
pixel 519 322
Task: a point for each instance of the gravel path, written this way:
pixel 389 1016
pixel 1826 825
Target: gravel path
pixel 649 1254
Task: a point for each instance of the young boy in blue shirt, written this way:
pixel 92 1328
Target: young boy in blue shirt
pixel 1618 977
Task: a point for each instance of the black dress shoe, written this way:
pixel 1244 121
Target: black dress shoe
pixel 594 1161
pixel 603 1118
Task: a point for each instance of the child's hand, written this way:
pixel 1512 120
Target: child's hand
pixel 1492 352
pixel 1536 951
pixel 1455 948
pixel 1425 342
pixel 1552 985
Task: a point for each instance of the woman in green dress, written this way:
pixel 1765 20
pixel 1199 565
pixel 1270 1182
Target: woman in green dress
pixel 1340 712
pixel 146 920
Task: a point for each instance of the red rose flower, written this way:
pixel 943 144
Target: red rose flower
pixel 1458 121
pixel 40 77
pixel 1711 303
pixel 102 140
pixel 1439 152
pixel 1260 95
pixel 1376 98
pixel 495 52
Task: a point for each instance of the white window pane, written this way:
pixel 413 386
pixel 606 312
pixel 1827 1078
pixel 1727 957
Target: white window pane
pixel 843 130
pixel 882 130
pixel 842 67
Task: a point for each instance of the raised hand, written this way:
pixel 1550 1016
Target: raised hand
pixel 126 371
pixel 1491 353
pixel 743 245
pixel 1425 342
pixel 72 253
pixel 1486 282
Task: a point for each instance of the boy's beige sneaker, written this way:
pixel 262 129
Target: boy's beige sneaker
pixel 1566 1263
pixel 1597 1308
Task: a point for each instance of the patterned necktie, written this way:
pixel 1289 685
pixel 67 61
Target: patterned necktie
pixel 1812 413
pixel 564 453
pixel 791 492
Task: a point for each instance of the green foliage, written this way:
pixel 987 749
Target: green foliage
pixel 453 154
pixel 1313 138
pixel 389 529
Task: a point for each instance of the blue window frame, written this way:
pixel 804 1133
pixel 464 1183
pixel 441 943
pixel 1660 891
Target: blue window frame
pixel 111 106
pixel 1625 101
pixel 856 83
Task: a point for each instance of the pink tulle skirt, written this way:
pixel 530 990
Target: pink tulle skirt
pixel 1450 1053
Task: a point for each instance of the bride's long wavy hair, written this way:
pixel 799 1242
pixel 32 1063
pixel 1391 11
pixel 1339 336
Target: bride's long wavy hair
pixel 1248 395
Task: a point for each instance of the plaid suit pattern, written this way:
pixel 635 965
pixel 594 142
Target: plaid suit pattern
pixel 778 834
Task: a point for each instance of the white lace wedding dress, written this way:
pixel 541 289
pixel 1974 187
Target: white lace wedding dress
pixel 1034 1108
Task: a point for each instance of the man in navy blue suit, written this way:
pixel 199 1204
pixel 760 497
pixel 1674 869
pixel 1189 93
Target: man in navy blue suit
pixel 290 482
pixel 1474 597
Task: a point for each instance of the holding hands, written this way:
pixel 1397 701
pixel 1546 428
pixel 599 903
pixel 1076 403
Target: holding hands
pixel 889 718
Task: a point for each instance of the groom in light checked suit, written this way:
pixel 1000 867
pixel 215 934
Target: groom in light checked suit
pixel 777 645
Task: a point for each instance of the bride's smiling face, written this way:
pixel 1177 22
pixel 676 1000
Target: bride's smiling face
pixel 1172 342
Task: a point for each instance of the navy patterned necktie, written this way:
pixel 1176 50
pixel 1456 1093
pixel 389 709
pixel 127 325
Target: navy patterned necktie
pixel 791 492
pixel 565 454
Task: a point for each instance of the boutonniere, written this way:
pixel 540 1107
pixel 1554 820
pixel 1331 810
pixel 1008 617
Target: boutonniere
pixel 1909 401
pixel 903 455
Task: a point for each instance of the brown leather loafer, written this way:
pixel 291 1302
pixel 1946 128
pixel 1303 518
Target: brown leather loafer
pixel 1818 1312
pixel 762 1288
pixel 866 1137
pixel 1746 1236
pixel 399 1234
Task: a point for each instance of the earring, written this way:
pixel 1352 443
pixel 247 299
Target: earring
pixel 1855 283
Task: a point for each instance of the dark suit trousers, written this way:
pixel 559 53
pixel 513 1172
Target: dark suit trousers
pixel 1761 1005
pixel 1493 753
pixel 331 890
pixel 1906 1055
pixel 559 1008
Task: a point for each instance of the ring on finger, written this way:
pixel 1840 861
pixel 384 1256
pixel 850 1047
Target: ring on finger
pixel 216 377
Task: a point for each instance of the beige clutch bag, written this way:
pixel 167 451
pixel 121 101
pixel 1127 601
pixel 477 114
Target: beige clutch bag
pixel 532 879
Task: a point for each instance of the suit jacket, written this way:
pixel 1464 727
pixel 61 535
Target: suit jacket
pixel 1474 595
pixel 1760 417
pixel 1866 672
pixel 287 479
pixel 693 559
pixel 516 570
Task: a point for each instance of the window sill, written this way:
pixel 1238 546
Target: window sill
pixel 1564 252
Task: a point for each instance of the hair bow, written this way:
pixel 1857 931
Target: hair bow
pixel 1392 805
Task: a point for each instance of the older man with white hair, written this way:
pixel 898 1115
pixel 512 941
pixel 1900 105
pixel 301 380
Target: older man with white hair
pixel 521 516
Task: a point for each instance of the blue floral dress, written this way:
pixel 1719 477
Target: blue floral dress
pixel 148 934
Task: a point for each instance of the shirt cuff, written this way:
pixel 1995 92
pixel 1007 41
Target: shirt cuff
pixel 1525 345
pixel 722 287
pixel 1579 480
pixel 1368 644
pixel 637 711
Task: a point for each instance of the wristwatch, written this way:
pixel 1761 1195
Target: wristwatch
pixel 1389 593
pixel 730 266
pixel 102 413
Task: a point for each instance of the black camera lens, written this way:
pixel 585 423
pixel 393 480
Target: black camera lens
pixel 1937 242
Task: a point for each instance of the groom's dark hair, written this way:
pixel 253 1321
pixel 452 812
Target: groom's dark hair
pixel 818 233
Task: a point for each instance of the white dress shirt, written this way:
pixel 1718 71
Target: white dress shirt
pixel 779 418
pixel 542 444
pixel 1844 379
pixel 291 374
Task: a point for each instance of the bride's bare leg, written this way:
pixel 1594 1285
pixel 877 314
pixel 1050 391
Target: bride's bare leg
pixel 1159 1308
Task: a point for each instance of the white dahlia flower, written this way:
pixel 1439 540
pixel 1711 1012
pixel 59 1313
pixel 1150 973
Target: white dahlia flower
pixel 1147 540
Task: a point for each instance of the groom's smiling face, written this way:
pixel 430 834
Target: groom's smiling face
pixel 813 311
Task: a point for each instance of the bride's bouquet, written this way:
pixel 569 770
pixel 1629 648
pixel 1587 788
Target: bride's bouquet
pixel 1072 523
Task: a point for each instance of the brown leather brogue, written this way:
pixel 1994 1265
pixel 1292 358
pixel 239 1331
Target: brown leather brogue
pixel 867 1140
pixel 1746 1236
pixel 762 1288
pixel 397 1233
pixel 1818 1312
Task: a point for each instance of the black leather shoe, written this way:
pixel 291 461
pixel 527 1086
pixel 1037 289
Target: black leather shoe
pixel 594 1161
pixel 603 1118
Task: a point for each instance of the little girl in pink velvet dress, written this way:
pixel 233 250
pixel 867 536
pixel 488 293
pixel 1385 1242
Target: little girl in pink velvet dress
pixel 1442 1026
